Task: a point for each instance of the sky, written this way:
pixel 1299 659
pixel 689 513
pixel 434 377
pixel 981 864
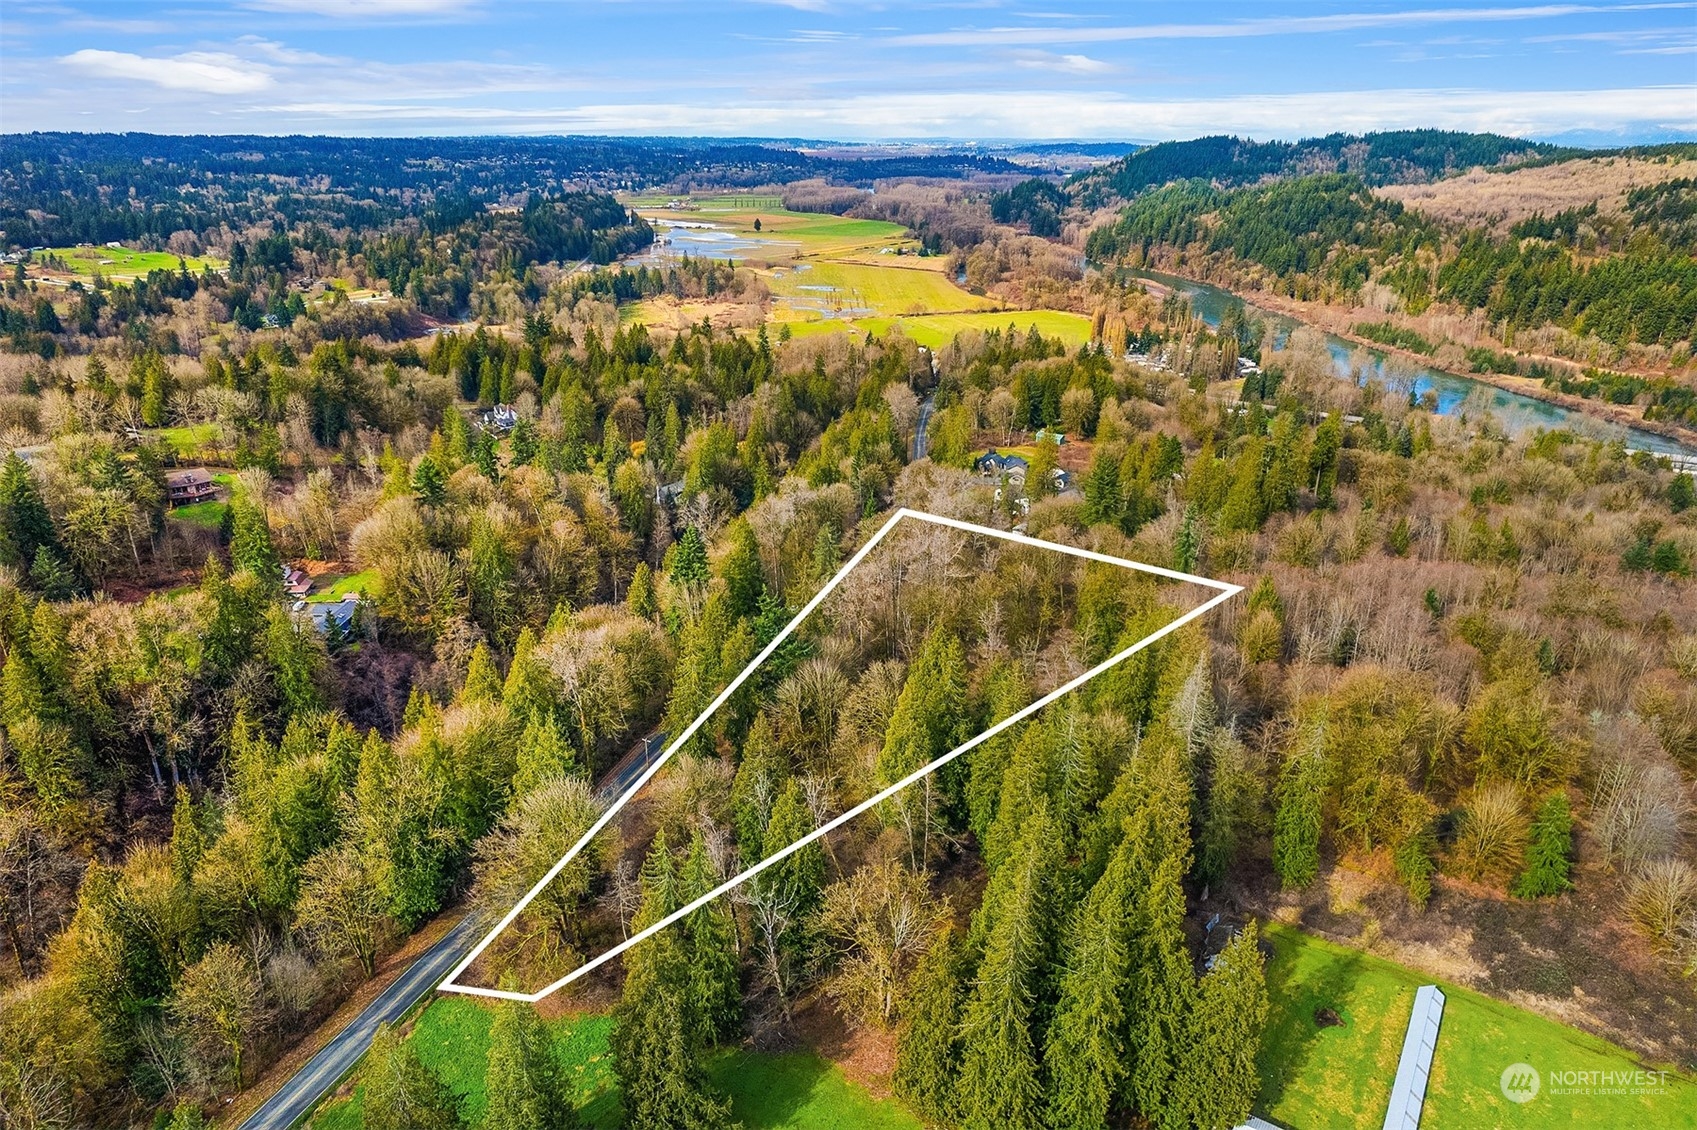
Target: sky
pixel 851 70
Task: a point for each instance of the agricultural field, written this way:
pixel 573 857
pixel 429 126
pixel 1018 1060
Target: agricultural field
pixel 117 262
pixel 1334 1077
pixel 836 289
pixel 937 330
pixel 830 273
pixel 789 1091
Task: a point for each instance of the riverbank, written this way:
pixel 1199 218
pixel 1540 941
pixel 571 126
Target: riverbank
pixel 1339 322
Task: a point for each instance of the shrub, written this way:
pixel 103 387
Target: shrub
pixel 1493 833
pixel 1661 896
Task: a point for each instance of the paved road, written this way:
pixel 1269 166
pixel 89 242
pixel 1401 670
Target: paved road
pixel 921 431
pixel 333 1060
pixel 322 1072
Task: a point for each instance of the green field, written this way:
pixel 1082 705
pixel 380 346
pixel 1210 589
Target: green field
pixel 124 262
pixel 1339 1078
pixel 937 330
pixel 878 290
pixel 794 1091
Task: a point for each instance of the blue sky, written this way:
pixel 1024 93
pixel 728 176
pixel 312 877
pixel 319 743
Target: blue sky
pixel 848 69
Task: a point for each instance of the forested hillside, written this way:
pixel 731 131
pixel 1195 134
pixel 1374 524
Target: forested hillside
pixel 1589 288
pixel 1392 157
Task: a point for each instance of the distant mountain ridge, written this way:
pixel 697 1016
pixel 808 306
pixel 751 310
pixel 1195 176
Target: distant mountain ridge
pixel 1393 157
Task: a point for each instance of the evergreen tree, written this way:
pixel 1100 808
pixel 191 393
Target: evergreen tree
pixel 482 680
pixel 1547 858
pixel 641 599
pixel 429 484
pixel 400 1093
pixel 250 544
pixel 740 567
pixel 1323 457
pixel 1161 1000
pixel 928 1055
pixel 1297 823
pixel 1085 1054
pixel 929 720
pixel 530 689
pixel 1187 543
pixel 1103 504
pixel 710 936
pixel 488 456
pixel 544 755
pixel 26 526
pixel 524 443
pixel 1217 1086
pixel 1681 495
pixel 526 1088
pixel 53 576
pixel 1001 1086
pixel 658 1035
pixel 689 560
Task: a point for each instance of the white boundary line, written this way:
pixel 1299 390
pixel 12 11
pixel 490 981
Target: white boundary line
pixel 1226 592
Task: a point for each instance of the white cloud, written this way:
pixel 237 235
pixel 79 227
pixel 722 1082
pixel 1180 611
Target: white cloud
pixel 1265 26
pixel 368 9
pixel 204 72
pixel 1053 114
pixel 1066 64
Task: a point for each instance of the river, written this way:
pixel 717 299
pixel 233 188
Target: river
pixel 1454 393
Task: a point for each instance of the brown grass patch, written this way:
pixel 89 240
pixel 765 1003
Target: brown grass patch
pixel 1498 200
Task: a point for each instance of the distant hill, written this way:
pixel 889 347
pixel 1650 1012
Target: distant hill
pixel 1396 157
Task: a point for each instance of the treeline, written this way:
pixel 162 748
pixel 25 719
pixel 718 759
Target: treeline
pixel 1391 157
pixel 54 187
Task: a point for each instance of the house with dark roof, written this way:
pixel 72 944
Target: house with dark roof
pixel 193 484
pixel 324 613
pixel 993 462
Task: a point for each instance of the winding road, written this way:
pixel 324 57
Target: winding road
pixel 296 1098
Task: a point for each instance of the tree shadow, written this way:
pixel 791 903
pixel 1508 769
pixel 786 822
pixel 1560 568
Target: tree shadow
pixel 1293 1032
pixel 768 1089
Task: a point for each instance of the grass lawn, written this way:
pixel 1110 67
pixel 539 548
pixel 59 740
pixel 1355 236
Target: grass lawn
pixel 124 262
pixel 796 1091
pixel 186 441
pixel 362 582
pixel 937 330
pixel 209 514
pixel 1339 1078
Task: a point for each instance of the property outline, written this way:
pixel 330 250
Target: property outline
pixel 1226 591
